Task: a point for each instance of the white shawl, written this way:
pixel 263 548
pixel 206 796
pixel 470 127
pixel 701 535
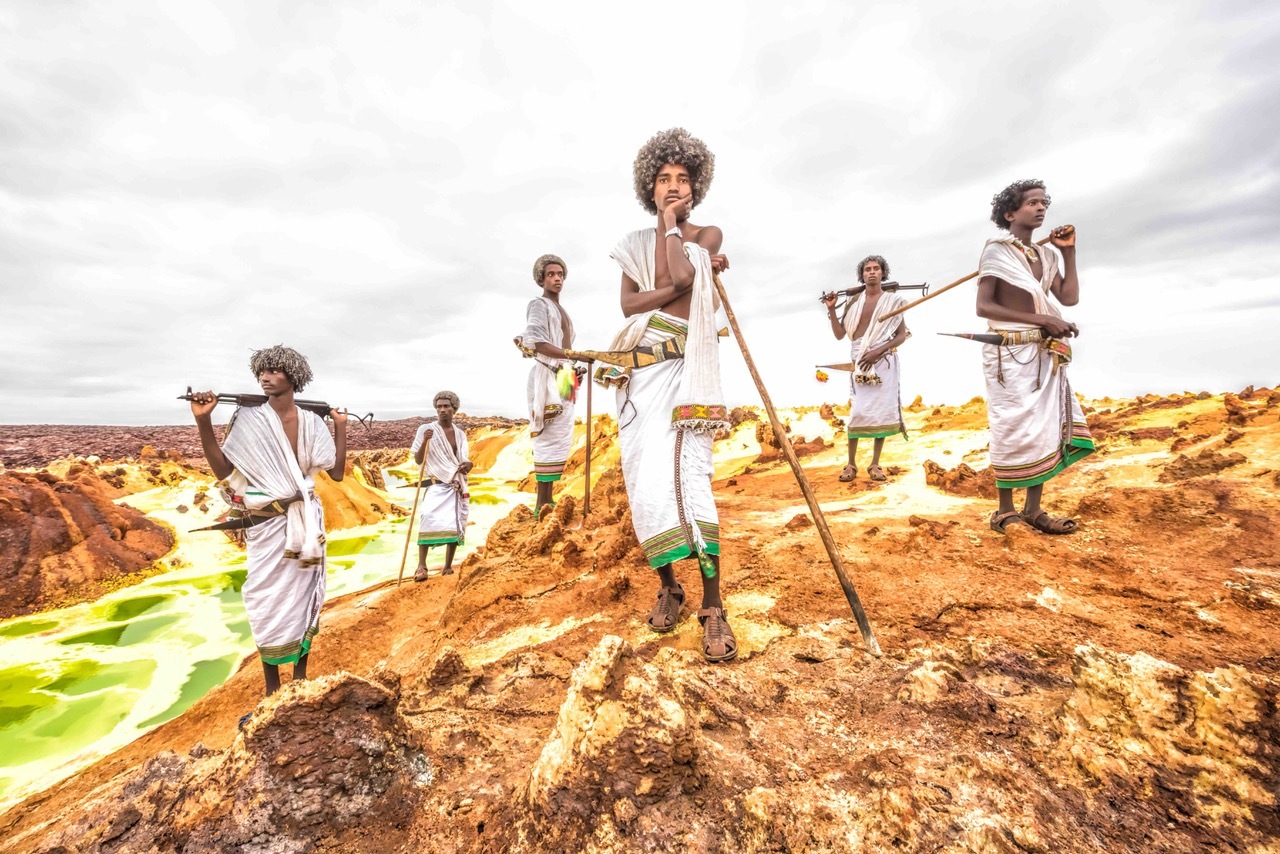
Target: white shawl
pixel 443 463
pixel 1004 259
pixel 700 382
pixel 263 458
pixel 880 329
pixel 546 323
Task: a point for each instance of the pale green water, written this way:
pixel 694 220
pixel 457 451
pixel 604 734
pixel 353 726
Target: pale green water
pixel 81 682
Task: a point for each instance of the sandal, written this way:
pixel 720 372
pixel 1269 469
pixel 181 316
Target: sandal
pixel 875 472
pixel 244 721
pixel 448 570
pixel 421 574
pixel 1046 524
pixel 1000 521
pixel 666 611
pixel 849 473
pixel 718 642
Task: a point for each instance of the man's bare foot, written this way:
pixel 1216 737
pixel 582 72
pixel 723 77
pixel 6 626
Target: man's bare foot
pixel 849 473
pixel 421 574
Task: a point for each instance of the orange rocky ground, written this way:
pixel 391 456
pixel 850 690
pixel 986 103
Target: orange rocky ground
pixel 1112 690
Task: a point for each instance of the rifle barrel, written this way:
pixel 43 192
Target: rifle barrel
pixel 887 286
pixel 319 407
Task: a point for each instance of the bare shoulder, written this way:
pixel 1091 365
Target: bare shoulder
pixel 709 237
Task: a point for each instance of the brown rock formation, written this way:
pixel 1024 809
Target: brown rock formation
pixel 325 761
pixel 1205 463
pixel 65 540
pixel 961 480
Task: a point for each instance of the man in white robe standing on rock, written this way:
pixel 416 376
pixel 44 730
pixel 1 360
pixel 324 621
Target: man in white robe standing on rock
pixel 442 516
pixel 875 384
pixel 267 464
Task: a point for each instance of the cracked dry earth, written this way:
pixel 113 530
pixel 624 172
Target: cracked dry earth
pixel 1113 690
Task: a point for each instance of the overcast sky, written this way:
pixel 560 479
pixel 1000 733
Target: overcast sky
pixel 181 183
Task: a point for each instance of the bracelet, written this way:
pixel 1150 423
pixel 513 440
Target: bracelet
pixel 674 230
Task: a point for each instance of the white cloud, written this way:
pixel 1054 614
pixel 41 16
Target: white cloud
pixel 371 183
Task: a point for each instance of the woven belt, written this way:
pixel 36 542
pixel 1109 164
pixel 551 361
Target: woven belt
pixel 1025 336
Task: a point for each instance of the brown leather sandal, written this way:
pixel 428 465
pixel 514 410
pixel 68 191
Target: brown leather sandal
pixel 1001 521
pixel 718 642
pixel 1046 524
pixel 666 611
pixel 421 574
pixel 848 473
pixel 875 472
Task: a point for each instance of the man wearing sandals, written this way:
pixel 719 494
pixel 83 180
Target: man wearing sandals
pixel 668 412
pixel 1037 425
pixel 442 517
pixel 875 397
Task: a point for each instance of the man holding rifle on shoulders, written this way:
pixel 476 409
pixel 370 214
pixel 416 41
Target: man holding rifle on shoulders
pixel 875 398
pixel 266 468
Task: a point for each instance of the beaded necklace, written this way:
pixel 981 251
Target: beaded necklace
pixel 1029 251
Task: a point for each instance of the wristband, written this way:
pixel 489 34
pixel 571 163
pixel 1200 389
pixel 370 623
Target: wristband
pixel 675 229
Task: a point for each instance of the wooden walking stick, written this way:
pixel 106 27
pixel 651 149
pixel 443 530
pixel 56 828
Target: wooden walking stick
pixel 586 496
pixel 864 625
pixel 413 514
pixel 940 291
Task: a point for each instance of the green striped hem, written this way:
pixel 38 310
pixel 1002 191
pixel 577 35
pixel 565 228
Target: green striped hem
pixel 439 539
pixel 546 478
pixel 1078 450
pixel 289 653
pixel 672 545
pixel 878 432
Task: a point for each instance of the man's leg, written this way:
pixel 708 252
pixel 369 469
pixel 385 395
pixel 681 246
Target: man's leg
pixel 544 497
pixel 272 674
pixel 874 469
pixel 448 558
pixel 666 611
pixel 718 642
pixel 851 470
pixel 1005 514
pixel 1035 516
pixel 421 573
pixel 300 668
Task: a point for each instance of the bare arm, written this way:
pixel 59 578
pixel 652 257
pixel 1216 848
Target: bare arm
pixel 636 301
pixel 1067 287
pixel 837 328
pixel 202 405
pixel 545 349
pixel 339 469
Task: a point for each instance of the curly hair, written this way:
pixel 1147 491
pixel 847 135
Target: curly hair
pixel 287 360
pixel 449 396
pixel 678 146
pixel 540 267
pixel 1009 200
pixel 884 267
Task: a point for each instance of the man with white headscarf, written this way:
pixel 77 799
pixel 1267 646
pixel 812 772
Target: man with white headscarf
pixel 445 505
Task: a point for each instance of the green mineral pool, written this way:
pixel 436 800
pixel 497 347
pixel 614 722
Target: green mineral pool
pixel 81 682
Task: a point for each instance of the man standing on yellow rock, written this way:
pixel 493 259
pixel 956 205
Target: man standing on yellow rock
pixel 267 463
pixel 548 333
pixel 442 516
pixel 668 412
pixel 875 385
pixel 1037 425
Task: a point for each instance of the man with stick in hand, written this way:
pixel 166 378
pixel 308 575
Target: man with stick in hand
pixel 1037 426
pixel 668 412
pixel 442 520
pixel 548 333
pixel 266 468
pixel 875 397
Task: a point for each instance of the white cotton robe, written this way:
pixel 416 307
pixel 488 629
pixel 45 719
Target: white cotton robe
pixel 550 416
pixel 1037 425
pixel 668 414
pixel 285 586
pixel 445 505
pixel 875 409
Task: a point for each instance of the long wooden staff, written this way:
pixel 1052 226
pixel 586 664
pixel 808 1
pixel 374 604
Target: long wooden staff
pixel 586 500
pixel 413 514
pixel 940 291
pixel 864 625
